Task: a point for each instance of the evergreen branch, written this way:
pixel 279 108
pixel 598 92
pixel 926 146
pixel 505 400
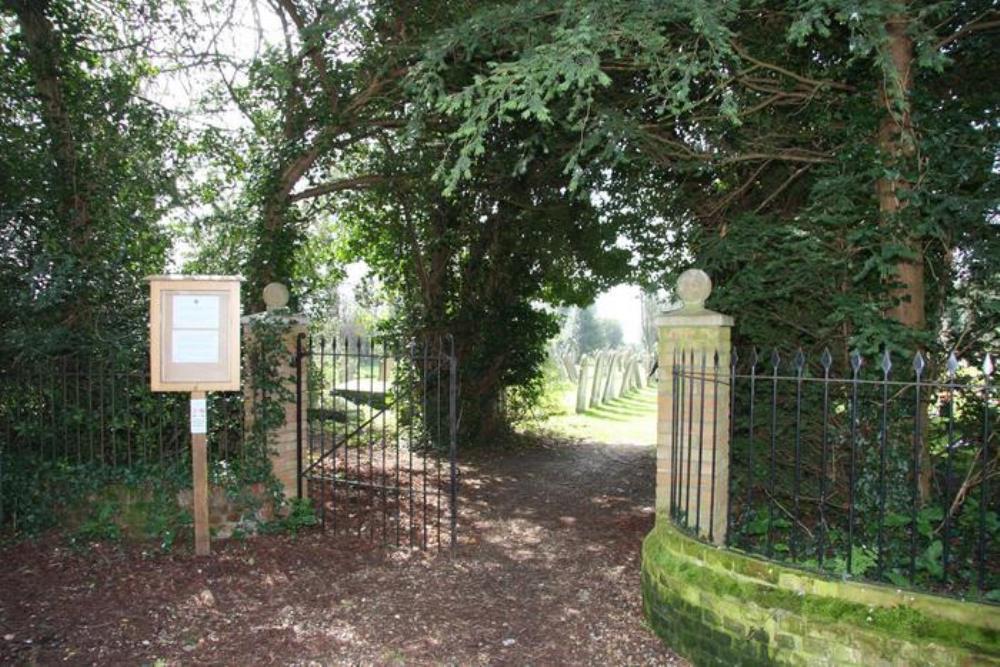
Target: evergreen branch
pixel 339 185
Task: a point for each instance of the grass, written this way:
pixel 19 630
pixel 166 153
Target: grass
pixel 630 419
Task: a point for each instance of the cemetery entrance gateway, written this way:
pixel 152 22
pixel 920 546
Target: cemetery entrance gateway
pixel 377 437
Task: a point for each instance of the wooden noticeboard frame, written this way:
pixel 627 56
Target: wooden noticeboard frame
pixel 204 369
pixel 194 346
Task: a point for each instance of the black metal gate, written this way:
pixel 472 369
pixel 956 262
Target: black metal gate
pixel 377 437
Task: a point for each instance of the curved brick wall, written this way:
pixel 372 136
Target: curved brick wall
pixel 721 607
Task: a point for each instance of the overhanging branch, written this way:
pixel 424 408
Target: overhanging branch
pixel 339 185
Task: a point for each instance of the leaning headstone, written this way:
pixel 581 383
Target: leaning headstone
pixel 609 382
pixel 630 373
pixel 638 379
pixel 627 364
pixel 614 373
pixel 626 382
pixel 597 384
pixel 584 385
pixel 621 378
pixel 602 390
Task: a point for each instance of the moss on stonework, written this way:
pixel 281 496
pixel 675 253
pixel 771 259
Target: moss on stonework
pixel 674 576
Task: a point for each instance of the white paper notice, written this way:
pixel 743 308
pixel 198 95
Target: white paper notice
pixel 199 415
pixel 195 346
pixel 196 311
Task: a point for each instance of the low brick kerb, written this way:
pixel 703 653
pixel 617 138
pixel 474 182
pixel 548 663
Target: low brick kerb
pixel 722 607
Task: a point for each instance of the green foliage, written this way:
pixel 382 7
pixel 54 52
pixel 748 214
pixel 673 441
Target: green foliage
pixel 108 456
pixel 592 333
pixel 264 357
pixel 760 155
pixel 88 171
pixel 92 501
pixel 480 263
pixel 301 515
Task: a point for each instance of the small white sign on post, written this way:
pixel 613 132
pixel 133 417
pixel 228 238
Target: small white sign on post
pixel 194 346
pixel 199 415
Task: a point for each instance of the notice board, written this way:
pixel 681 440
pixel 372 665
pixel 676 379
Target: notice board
pixel 194 333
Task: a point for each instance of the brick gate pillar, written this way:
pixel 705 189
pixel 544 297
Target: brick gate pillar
pixel 694 331
pixel 283 440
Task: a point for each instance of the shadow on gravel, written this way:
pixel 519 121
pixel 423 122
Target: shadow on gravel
pixel 546 573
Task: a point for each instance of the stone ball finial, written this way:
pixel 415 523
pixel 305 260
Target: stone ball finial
pixel 275 296
pixel 693 288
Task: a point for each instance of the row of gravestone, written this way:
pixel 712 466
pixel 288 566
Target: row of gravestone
pixel 606 375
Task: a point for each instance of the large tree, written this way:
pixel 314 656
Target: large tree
pixel 479 264
pixel 87 169
pixel 799 151
pixel 833 167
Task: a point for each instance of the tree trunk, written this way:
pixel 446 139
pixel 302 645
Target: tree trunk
pixel 897 145
pixel 72 189
pixel 43 55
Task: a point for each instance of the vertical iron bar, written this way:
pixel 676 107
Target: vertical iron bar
pixel 310 400
pixel 825 360
pixel 681 393
pixel 399 407
pixel 715 445
pixel 114 440
pixel 371 445
pixel 733 360
pixel 128 417
pixel 701 447
pixel 52 410
pixel 64 413
pixel 79 409
pixel 453 428
pixel 983 490
pixel 948 470
pixel 856 364
pixel 772 474
pixel 38 394
pixel 161 405
pixel 674 427
pixel 323 419
pixel 793 533
pixel 753 397
pixel 383 445
pixel 358 437
pixel 90 407
pixel 298 415
pixel 437 429
pixel 409 446
pixel 345 442
pixel 915 491
pixel 690 446
pixel 883 445
pixel 142 386
pixel 425 433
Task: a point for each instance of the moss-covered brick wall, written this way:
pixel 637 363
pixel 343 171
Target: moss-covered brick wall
pixel 722 607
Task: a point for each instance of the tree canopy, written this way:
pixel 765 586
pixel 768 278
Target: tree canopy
pixel 833 167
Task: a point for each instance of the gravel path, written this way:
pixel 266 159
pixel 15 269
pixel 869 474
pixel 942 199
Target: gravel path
pixel 547 573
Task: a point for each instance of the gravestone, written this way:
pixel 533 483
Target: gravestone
pixel 584 385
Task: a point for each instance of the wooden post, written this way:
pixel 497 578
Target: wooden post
pixel 199 461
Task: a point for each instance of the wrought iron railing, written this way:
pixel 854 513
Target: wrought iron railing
pixel 378 455
pixel 867 468
pixel 70 413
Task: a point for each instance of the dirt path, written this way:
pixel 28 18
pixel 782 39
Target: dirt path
pixel 547 574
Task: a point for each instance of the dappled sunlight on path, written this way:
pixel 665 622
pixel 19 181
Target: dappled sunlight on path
pixel 546 573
